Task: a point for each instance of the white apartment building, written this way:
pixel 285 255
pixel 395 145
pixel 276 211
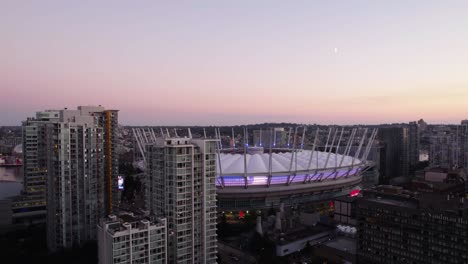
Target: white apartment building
pixel 181 187
pixel 71 168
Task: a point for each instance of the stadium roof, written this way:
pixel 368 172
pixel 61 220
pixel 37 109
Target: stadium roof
pixel 233 164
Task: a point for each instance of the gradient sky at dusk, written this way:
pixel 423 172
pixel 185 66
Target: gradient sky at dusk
pixel 237 62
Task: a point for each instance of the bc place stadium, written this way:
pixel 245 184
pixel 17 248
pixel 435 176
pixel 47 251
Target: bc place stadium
pixel 270 167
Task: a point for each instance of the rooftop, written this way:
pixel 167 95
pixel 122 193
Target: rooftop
pixel 342 243
pixel 303 233
pixel 124 220
pixel 397 196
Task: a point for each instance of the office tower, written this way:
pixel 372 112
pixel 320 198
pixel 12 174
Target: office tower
pixel 74 150
pixel 401 150
pixel 181 187
pixel 394 161
pixel 398 226
pixel 35 156
pixel 130 239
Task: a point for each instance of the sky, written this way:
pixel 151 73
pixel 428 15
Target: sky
pixel 237 62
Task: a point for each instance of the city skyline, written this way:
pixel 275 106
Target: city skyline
pixel 237 63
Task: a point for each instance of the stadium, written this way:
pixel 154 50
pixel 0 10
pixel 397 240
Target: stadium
pixel 254 177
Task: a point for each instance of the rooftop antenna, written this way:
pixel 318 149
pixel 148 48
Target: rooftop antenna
pixel 189 132
pixel 204 132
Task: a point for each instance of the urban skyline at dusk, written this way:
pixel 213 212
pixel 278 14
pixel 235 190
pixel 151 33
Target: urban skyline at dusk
pixel 214 63
pixel 221 132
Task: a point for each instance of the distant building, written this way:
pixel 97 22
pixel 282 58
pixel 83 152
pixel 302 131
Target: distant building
pixel 70 156
pixel 446 148
pixel 129 238
pixel 181 187
pixel 398 226
pixel 422 124
pixel 440 180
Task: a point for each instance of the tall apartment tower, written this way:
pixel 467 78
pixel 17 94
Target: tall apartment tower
pixel 35 156
pixel 73 154
pixel 181 187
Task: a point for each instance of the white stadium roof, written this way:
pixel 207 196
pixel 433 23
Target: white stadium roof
pixel 233 164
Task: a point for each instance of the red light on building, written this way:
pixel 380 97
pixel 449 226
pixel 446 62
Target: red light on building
pixel 241 215
pixel 354 193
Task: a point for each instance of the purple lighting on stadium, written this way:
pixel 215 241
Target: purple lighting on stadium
pixel 263 180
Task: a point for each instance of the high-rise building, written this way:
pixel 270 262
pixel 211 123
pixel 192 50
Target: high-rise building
pixel 35 156
pixel 181 187
pixel 130 239
pixel 73 154
pixel 399 226
pixel 401 150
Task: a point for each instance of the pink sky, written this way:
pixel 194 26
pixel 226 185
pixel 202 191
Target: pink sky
pixel 235 63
